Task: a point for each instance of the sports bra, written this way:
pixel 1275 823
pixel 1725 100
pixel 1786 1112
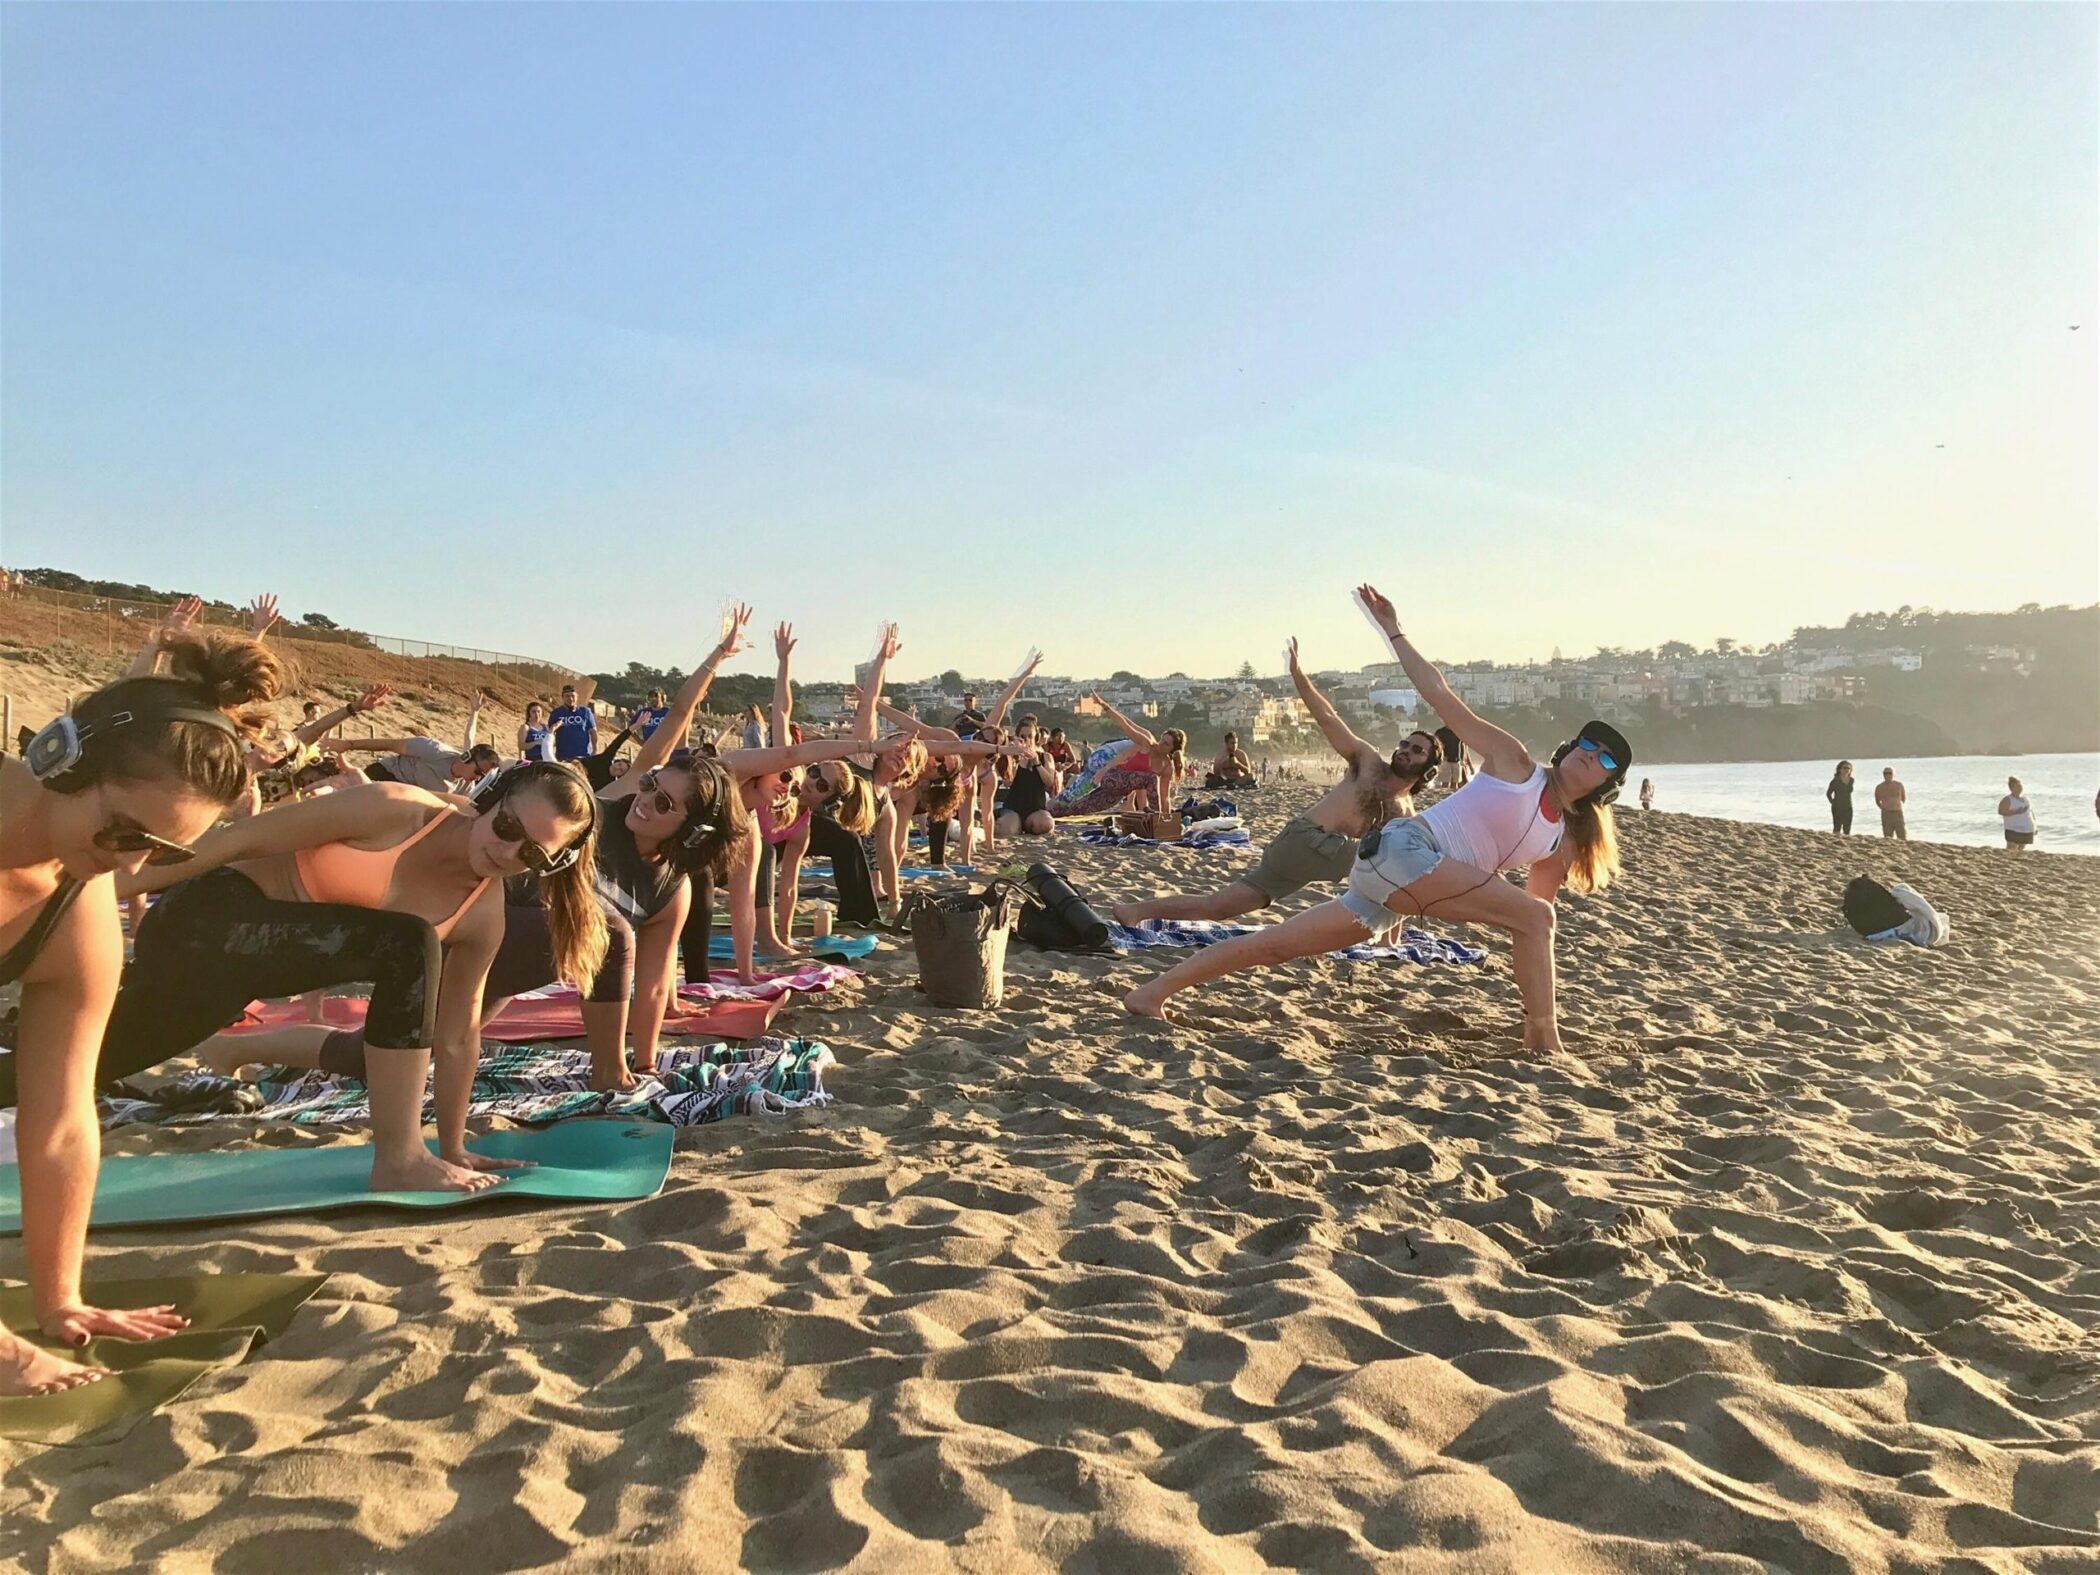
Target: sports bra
pixel 361 877
pixel 23 952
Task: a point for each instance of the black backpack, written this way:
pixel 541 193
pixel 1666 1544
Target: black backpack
pixel 1871 907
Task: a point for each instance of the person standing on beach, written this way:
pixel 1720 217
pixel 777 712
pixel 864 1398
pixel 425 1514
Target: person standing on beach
pixel 575 727
pixel 1647 795
pixel 2018 816
pixel 1888 798
pixel 1839 795
pixel 649 717
pixel 535 738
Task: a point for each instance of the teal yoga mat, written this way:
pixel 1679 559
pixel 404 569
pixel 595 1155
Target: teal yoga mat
pixel 576 1161
pixel 722 948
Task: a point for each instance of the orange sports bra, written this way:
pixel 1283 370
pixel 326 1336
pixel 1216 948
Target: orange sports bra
pixel 361 877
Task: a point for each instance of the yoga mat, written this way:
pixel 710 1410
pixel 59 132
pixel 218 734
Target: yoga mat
pixel 230 1314
pixel 574 1160
pixel 722 948
pixel 528 1021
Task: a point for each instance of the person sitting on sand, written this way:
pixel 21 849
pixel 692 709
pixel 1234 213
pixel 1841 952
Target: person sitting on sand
pixel 1149 764
pixel 1057 749
pixel 1231 768
pixel 137 771
pixel 1319 846
pixel 1025 808
pixel 1553 820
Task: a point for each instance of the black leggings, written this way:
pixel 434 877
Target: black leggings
pixel 525 961
pixel 1841 816
pixel 699 927
pixel 213 944
pixel 849 869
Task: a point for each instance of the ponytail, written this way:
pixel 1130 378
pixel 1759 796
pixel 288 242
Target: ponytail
pixel 1593 845
pixel 215 671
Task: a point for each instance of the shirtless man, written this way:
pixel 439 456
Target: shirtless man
pixel 1320 845
pixel 1231 769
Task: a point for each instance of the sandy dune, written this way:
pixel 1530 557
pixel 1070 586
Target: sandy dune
pixel 1794 1263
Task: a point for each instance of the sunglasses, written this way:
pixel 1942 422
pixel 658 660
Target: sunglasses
pixel 1605 757
pixel 664 803
pixel 509 828
pixel 131 839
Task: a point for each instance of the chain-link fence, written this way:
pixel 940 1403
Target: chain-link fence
pixel 123 623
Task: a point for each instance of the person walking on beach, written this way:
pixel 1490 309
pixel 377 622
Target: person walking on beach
pixel 1888 798
pixel 1647 795
pixel 1839 794
pixel 2018 816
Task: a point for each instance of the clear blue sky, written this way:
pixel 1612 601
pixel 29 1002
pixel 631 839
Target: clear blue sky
pixel 1139 333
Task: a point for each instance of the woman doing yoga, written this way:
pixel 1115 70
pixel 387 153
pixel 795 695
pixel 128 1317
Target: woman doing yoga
pixel 136 771
pixel 383 884
pixel 1151 765
pixel 1553 819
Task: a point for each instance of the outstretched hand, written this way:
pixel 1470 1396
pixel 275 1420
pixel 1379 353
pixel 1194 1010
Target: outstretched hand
pixel 262 615
pixel 783 640
pixel 371 699
pixel 1290 657
pixel 181 616
pixel 890 645
pixel 1380 608
pixel 736 625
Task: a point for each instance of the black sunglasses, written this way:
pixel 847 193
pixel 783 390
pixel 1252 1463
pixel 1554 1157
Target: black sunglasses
pixel 509 828
pixel 132 839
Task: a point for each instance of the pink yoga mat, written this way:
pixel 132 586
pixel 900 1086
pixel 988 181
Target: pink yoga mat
pixel 527 1021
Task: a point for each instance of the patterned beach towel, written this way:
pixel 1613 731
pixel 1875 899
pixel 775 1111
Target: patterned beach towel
pixel 1201 841
pixel 1415 946
pixel 537 1083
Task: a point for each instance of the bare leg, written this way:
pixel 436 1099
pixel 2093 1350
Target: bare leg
pixel 1326 928
pixel 401 1159
pixel 605 1031
pixel 1230 903
pixel 27 1369
pixel 316 1003
pixel 1040 824
pixel 296 1045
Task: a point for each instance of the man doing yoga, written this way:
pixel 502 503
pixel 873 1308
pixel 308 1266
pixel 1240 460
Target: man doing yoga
pixel 1318 846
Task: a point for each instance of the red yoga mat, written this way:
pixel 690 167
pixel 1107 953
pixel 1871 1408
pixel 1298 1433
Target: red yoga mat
pixel 526 1022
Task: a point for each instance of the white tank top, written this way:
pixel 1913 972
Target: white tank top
pixel 1494 825
pixel 2021 818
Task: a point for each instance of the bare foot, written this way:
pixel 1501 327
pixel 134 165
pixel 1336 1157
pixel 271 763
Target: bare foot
pixel 26 1369
pixel 1126 913
pixel 225 1055
pixel 1148 1000
pixel 1543 1036
pixel 423 1171
pixel 613 1083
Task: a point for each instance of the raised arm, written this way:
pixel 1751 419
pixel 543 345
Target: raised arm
pixel 748 763
pixel 1138 734
pixel 656 749
pixel 177 618
pixel 473 721
pixel 905 722
pixel 1501 754
pixel 783 690
pixel 368 746
pixel 321 726
pixel 996 717
pixel 886 646
pixel 1341 738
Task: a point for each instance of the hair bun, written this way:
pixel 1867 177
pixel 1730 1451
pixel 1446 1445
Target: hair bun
pixel 236 674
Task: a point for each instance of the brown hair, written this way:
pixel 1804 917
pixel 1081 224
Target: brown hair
pixel 912 760
pixel 941 794
pixel 212 671
pixel 1176 743
pixel 714 801
pixel 575 921
pixel 1002 765
pixel 854 809
pixel 1593 846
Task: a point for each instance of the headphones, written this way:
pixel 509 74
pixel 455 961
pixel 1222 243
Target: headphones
pixel 1608 793
pixel 57 753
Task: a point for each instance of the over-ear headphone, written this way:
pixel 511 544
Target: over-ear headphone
pixel 57 753
pixel 1608 793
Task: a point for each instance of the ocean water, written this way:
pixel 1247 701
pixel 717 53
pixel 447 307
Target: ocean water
pixel 1952 798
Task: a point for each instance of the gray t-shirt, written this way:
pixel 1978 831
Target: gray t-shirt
pixel 425 763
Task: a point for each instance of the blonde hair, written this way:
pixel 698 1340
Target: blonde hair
pixel 575 921
pixel 855 808
pixel 1593 846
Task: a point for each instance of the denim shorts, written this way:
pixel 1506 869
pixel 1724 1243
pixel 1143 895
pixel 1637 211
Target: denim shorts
pixel 1406 851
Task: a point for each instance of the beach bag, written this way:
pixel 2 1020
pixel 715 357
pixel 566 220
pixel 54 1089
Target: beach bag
pixel 1871 907
pixel 1059 919
pixel 960 939
pixel 1158 828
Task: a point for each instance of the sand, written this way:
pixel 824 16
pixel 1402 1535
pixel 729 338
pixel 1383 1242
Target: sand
pixel 1792 1262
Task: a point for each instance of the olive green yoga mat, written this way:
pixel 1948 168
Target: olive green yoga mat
pixel 229 1314
pixel 572 1160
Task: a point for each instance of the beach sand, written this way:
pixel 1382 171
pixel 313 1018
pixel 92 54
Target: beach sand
pixel 1793 1262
